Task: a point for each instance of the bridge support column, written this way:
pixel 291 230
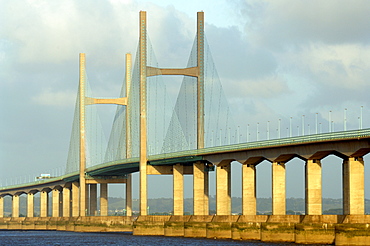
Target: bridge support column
pixel 353 186
pixel 1 207
pixel 129 195
pixel 313 187
pixel 87 200
pixel 56 203
pixel 278 189
pixel 103 199
pixel 66 202
pixel 44 204
pixel 93 199
pixel 15 206
pixel 249 190
pixel 200 187
pixel 60 203
pixel 75 199
pixel 178 189
pixel 223 188
pixel 143 111
pixel 30 205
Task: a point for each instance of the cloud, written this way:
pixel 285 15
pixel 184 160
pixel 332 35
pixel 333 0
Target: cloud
pixel 321 48
pixel 55 98
pixel 280 24
pixel 266 87
pixel 55 32
pixel 234 55
pixel 329 71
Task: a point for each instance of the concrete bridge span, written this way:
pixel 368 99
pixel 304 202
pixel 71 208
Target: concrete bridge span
pixel 65 190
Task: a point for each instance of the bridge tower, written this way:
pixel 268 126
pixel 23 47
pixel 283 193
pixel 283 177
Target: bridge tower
pixel 85 101
pixel 147 71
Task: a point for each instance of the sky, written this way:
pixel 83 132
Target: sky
pixel 275 59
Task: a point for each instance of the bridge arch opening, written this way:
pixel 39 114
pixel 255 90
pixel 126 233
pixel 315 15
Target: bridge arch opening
pixel 264 187
pixel 188 194
pixel 163 192
pixel 7 199
pixel 332 184
pixel 23 205
pixel 295 186
pixel 116 197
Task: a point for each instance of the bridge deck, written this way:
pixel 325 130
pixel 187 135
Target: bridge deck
pixel 131 165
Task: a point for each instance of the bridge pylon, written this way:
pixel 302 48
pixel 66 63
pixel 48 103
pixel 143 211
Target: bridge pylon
pixel 85 101
pixel 147 71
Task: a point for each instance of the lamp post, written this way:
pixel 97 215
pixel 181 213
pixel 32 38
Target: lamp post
pixel 345 120
pixel 361 117
pixel 248 133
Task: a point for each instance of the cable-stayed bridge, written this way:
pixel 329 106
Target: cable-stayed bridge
pixel 194 136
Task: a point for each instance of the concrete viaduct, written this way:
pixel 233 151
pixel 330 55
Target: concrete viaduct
pixel 351 149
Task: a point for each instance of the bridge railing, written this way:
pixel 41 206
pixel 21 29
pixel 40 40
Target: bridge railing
pixel 38 182
pixel 330 136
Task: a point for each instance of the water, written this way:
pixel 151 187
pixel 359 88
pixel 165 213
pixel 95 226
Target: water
pixel 79 238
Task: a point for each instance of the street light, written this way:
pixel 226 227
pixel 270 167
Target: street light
pixel 345 119
pixel 361 117
pixel 279 127
pixel 248 133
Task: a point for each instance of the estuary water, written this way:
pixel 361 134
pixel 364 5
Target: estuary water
pixel 78 238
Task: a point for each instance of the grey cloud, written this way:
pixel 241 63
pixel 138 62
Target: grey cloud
pixel 236 57
pixel 279 24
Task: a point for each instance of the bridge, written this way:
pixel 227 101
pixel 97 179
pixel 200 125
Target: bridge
pixel 150 138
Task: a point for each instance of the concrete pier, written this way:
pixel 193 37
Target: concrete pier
pixel 15 206
pixel 178 189
pixel 278 188
pixel 103 199
pixel 313 189
pixel 30 205
pixel 353 186
pixel 56 203
pixel 75 199
pixel 223 188
pixel 1 207
pixel 129 196
pixel 249 189
pixel 66 202
pixel 44 204
pixel 200 187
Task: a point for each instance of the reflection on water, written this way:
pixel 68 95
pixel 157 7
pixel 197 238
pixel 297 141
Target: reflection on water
pixel 79 238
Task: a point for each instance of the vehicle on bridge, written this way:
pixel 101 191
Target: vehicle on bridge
pixel 43 176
